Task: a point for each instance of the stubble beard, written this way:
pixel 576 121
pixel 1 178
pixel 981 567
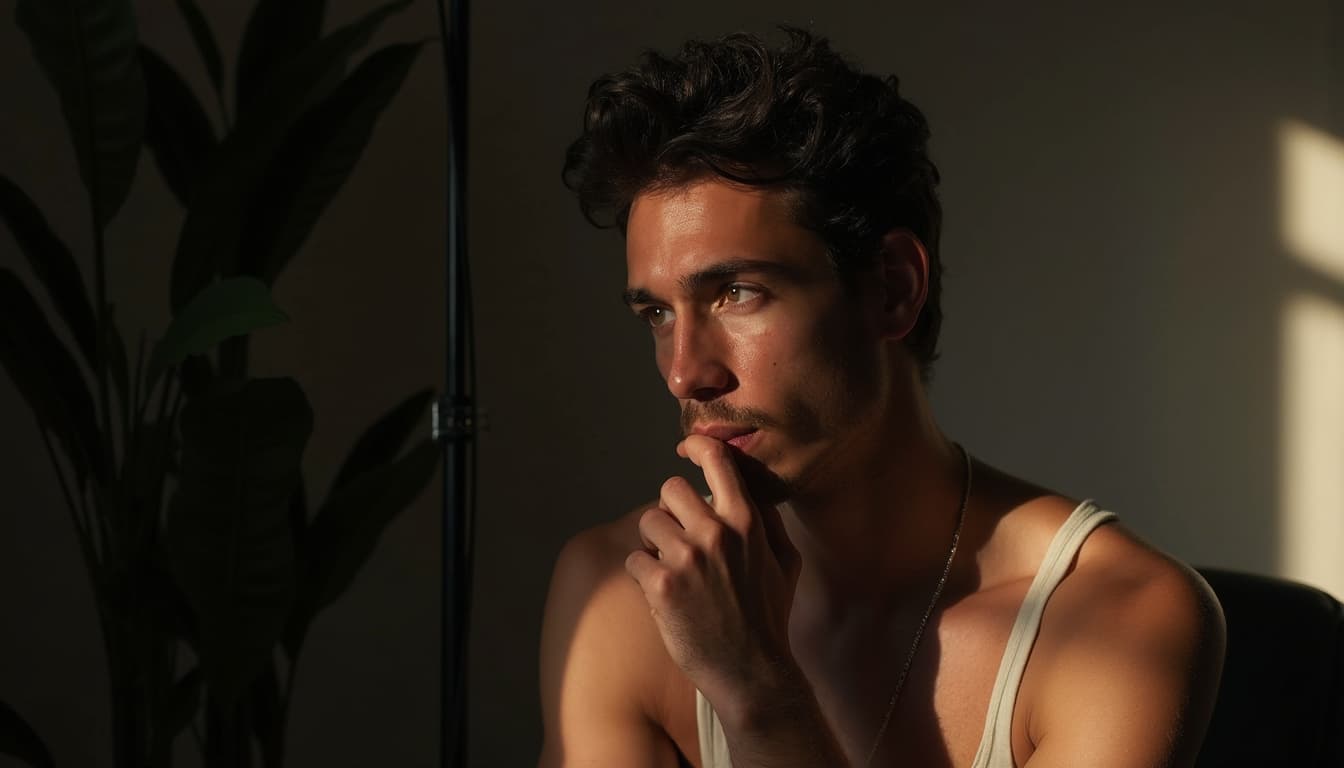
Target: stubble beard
pixel 763 485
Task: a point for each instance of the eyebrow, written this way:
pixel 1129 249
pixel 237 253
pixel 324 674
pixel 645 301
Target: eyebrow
pixel 696 281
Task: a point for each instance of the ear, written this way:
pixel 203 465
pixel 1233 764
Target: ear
pixel 903 274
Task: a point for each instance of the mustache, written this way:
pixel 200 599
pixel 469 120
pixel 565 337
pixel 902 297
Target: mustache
pixel 719 411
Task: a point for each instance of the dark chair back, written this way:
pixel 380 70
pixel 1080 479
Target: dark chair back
pixel 1281 702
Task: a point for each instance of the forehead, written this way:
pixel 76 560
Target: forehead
pixel 677 231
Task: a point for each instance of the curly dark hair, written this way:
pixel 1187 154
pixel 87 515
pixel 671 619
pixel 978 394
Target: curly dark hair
pixel 797 117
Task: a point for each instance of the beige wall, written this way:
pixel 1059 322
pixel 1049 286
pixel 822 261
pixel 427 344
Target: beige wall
pixel 1117 283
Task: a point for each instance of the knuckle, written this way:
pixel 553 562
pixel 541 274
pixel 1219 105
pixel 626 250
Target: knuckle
pixel 748 526
pixel 661 584
pixel 716 539
pixel 673 485
pixel 648 518
pixel 694 557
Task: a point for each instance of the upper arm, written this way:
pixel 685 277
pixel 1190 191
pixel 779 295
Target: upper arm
pixel 597 672
pixel 1133 681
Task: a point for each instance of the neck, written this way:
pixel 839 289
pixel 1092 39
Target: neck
pixel 881 523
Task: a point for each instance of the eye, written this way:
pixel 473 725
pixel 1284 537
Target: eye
pixel 739 294
pixel 656 317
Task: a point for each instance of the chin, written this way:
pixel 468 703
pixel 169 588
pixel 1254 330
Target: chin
pixel 763 484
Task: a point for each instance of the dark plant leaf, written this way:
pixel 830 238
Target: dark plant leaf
pixel 298 515
pixel 347 529
pixel 227 531
pixel 173 610
pixel 18 739
pixel 382 442
pixel 227 308
pixel 275 32
pixel 52 264
pixel 177 131
pixel 317 158
pixel 88 50
pixel 47 376
pixel 117 362
pixel 205 43
pixel 212 233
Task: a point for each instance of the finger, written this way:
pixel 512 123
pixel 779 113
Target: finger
pixel 644 569
pixel 655 581
pixel 680 499
pixel 662 535
pixel 715 458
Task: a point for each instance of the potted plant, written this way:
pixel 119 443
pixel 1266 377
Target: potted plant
pixel 181 473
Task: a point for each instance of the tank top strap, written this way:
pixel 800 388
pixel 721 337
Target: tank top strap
pixel 996 746
pixel 713 744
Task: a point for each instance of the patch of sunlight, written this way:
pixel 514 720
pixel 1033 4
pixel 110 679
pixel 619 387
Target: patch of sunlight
pixel 1312 163
pixel 1312 525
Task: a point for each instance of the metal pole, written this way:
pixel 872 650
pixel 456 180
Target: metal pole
pixel 455 416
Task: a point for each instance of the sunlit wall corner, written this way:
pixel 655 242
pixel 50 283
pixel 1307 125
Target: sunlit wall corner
pixel 1312 454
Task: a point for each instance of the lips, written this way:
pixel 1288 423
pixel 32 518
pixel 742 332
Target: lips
pixel 735 435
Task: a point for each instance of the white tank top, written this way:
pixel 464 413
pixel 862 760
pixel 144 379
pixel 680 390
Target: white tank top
pixel 996 747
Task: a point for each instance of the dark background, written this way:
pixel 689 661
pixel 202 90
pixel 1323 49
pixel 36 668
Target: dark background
pixel 1130 315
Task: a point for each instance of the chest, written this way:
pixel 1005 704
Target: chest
pixel 940 715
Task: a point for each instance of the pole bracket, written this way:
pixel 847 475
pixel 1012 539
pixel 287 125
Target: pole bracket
pixel 456 419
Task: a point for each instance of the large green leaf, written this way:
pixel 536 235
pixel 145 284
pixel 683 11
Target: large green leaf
pixel 47 376
pixel 318 157
pixel 382 442
pixel 52 264
pixel 227 308
pixel 177 131
pixel 347 529
pixel 227 530
pixel 205 43
pixel 212 233
pixel 18 739
pixel 275 32
pixel 88 50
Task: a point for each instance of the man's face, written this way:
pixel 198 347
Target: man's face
pixel 754 332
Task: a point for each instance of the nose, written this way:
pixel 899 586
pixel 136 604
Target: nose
pixel 695 368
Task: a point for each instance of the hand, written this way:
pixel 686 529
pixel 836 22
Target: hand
pixel 719 582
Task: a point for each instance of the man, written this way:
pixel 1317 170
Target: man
pixel 857 590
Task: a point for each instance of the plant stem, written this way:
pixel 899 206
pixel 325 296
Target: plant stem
pixel 286 696
pixel 233 357
pixel 133 409
pixel 104 400
pixel 127 403
pixel 85 545
pixel 223 110
pixel 163 399
pixel 123 746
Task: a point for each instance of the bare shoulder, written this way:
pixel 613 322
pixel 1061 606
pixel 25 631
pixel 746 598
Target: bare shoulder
pixel 603 668
pixel 1126 587
pixel 1132 638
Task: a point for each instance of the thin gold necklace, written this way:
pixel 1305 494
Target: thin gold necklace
pixel 923 622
